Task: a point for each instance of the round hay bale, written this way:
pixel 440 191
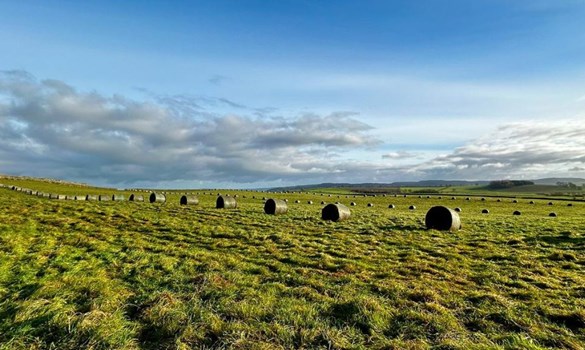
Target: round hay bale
pixel 405 196
pixel 118 197
pixel 515 201
pixel 499 200
pixel 353 204
pixel 104 197
pixel 457 209
pixel 157 198
pixel 275 207
pixel 482 199
pixel 391 206
pixel 517 212
pixel 467 199
pixel 224 202
pixel 297 201
pixel 552 215
pixel 91 197
pixel 46 195
pixel 419 196
pixel 61 197
pixel 189 200
pixel 337 202
pixel 531 202
pixel 412 207
pixel 79 198
pixel 309 202
pixel 453 198
pixel 570 205
pixel 323 202
pixel 442 218
pixel 440 197
pixel 286 200
pixel 485 211
pixel 370 204
pixel 550 203
pixel 329 195
pixel 335 212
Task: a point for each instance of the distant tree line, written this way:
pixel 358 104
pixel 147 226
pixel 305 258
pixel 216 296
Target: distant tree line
pixel 495 185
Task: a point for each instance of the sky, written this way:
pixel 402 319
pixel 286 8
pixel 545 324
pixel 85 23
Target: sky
pixel 255 94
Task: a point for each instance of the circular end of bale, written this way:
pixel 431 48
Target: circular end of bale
pixel 335 212
pixel 514 201
pixel 309 202
pixel 370 204
pixel 458 210
pixel 224 202
pixel 517 212
pixel 570 205
pixel 499 200
pixel 157 198
pixel 412 207
pixel 552 215
pixel 485 211
pixel 550 203
pixel 442 218
pixel 391 206
pixel 353 204
pixel 189 200
pixel 275 207
pixel 453 198
pixel 483 199
pixel 531 202
pixel 323 202
pixel 467 199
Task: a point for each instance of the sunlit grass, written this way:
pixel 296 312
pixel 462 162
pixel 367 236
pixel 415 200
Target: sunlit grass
pixel 139 276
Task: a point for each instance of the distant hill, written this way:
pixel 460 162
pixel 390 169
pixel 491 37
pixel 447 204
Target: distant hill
pixel 423 183
pixel 554 180
pixel 369 185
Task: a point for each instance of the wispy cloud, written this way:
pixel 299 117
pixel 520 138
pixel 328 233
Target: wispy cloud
pixel 217 79
pixel 400 155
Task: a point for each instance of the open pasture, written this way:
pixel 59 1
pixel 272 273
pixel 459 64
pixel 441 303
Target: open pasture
pixel 135 275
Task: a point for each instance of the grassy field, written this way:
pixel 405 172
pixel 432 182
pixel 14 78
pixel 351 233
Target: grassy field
pixel 125 275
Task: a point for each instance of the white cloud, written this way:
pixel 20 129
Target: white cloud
pixel 524 149
pixel 50 129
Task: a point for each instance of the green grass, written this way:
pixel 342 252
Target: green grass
pixel 105 275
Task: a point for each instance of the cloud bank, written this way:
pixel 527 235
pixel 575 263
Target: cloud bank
pixel 50 129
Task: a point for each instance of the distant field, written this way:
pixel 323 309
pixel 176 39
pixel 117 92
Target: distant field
pixel 125 275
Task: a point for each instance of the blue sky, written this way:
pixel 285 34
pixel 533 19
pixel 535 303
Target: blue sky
pixel 347 91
